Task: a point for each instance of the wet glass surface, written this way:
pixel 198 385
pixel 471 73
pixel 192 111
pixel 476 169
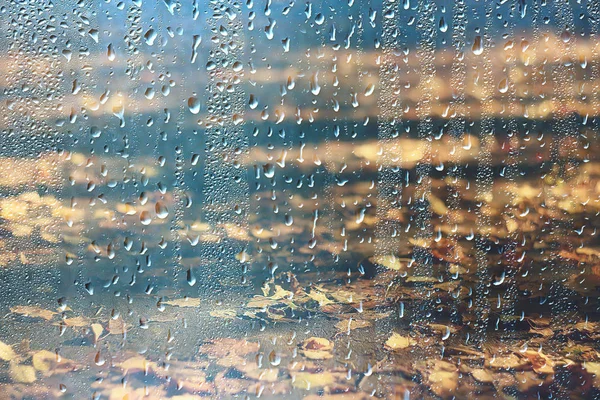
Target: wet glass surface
pixel 282 199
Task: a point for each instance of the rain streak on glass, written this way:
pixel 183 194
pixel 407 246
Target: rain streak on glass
pixel 291 199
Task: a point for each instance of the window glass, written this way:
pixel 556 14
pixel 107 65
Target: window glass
pixel 339 199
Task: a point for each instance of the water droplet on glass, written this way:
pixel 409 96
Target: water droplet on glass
pixel 161 210
pixel 477 47
pixel 194 105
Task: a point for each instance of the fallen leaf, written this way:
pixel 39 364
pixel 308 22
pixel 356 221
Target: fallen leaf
pixel 594 369
pixel 528 380
pixel 421 242
pixel 97 329
pixel 219 348
pixel 23 258
pixel 265 288
pixel 399 342
pixel 542 364
pixel 306 380
pixel 137 364
pixel 21 373
pixel 588 327
pixel 6 352
pixel 545 332
pixel 443 383
pixel 251 370
pixel 44 360
pixel 580 353
pixel 117 326
pixel 508 362
pixel 33 312
pixel 281 293
pixel 226 314
pixel 441 376
pixel 184 302
pixel 421 279
pixel 317 348
pixel 163 317
pixel 337 309
pixel 481 375
pixel 437 205
pixel 77 321
pixel 447 286
pixel 260 302
pixel 588 251
pixel 391 262
pixel 346 325
pixel 319 297
pixel 347 296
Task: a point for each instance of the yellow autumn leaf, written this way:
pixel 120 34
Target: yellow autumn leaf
pixel 346 325
pixel 443 383
pixel 43 360
pixel 594 369
pixel 137 363
pixel 306 380
pixel 242 256
pixel 183 302
pixel 399 342
pixel 33 312
pixel 260 302
pixel 281 293
pixel 6 352
pixel 588 251
pixel 511 225
pixel 252 371
pixel 437 205
pixel 49 237
pixel 23 258
pixel 317 348
pixel 391 262
pixel 21 373
pixel 542 364
pixel 347 297
pixel 117 326
pixel 126 208
pixel 97 329
pixel 482 375
pixel 421 279
pixel 420 242
pixel 319 297
pixel 265 288
pixel 78 321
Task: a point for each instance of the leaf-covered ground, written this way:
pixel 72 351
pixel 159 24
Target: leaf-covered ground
pixel 339 325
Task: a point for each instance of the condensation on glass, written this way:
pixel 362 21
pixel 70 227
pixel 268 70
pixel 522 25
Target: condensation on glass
pixel 340 199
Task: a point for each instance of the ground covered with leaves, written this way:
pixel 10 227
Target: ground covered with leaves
pixel 425 322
